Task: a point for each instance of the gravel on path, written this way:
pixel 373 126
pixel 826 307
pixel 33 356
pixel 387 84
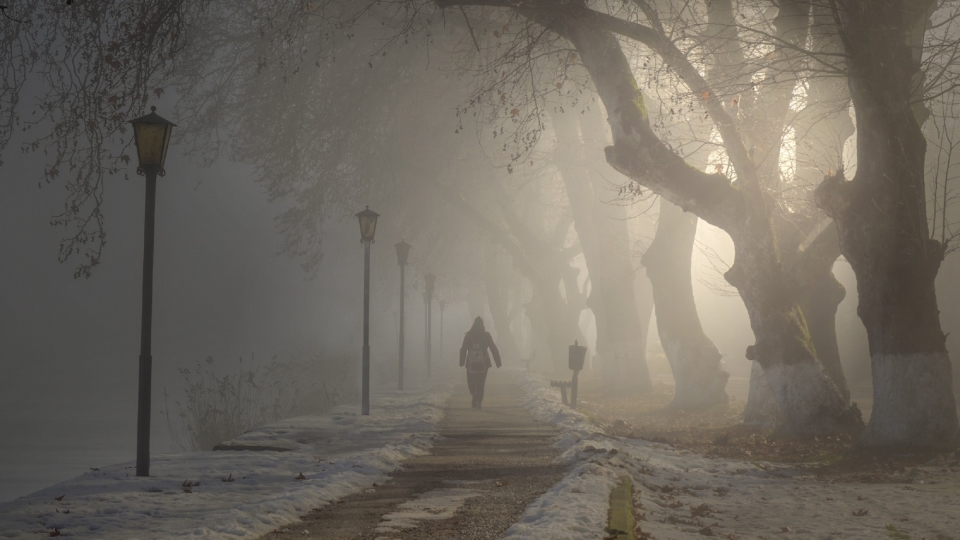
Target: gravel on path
pixel 490 463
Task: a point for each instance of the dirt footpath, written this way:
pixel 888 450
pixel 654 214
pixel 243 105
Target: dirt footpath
pixel 487 466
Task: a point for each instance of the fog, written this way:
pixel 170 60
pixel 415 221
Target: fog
pixel 221 290
pixel 70 346
pixel 258 253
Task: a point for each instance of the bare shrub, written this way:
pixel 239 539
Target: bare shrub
pixel 217 408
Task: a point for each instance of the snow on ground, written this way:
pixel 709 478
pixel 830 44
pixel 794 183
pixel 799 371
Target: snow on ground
pixel 685 495
pixel 338 453
pixel 576 507
pixel 436 504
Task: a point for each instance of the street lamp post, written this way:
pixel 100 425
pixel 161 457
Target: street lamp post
pixel 368 226
pixel 403 251
pixel 428 300
pixel 151 134
pixel 442 304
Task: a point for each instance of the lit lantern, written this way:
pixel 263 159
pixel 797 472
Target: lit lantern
pixel 152 136
pixel 368 224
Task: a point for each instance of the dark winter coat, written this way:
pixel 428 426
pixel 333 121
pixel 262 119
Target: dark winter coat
pixel 486 342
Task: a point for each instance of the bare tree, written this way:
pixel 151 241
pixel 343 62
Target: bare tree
pixel 881 215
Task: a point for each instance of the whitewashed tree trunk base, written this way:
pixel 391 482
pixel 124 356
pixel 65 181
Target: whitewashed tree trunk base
pixel 809 401
pixel 913 403
pixel 762 408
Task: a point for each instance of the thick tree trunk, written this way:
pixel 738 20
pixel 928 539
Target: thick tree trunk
pixel 763 116
pixel 881 218
pixel 561 323
pixel 762 405
pixel 824 121
pixel 820 295
pixel 605 240
pixel 808 399
pixel 643 295
pixel 826 125
pixel 819 304
pixel 497 302
pixel 628 326
pixel 539 335
pixel 694 359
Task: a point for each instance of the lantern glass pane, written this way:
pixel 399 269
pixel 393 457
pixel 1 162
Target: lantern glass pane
pixel 368 226
pixel 151 143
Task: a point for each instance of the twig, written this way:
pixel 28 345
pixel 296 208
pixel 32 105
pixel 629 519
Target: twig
pixel 470 28
pixel 3 9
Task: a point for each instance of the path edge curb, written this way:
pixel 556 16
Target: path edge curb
pixel 620 516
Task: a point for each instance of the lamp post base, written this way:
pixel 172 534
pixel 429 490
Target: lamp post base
pixel 143 417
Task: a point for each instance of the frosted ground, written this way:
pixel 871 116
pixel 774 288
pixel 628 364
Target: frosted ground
pixel 682 495
pixel 679 495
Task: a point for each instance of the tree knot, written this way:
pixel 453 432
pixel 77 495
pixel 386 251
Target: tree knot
pixel 832 195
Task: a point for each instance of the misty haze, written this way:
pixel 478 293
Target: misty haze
pixel 424 269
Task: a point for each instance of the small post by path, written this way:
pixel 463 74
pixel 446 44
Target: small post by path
pixel 575 360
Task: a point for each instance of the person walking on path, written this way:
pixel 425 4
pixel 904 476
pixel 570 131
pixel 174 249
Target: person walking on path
pixel 473 355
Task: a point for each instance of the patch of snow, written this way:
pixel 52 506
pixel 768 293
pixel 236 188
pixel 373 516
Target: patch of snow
pixel 573 509
pixel 431 505
pixel 338 454
pixel 576 507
